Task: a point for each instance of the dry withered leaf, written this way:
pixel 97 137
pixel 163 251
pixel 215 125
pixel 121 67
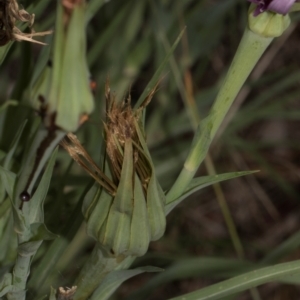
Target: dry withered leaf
pixel 10 13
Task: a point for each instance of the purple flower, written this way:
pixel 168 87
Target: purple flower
pixel 278 6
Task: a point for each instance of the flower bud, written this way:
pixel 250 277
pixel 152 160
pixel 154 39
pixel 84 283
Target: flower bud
pixel 125 222
pixel 276 6
pixel 127 210
pixel 62 93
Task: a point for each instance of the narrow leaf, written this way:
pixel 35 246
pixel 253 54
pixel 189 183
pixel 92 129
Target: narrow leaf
pixel 243 282
pixel 155 78
pixel 53 294
pixel 195 267
pixel 116 278
pixel 6 284
pixel 36 212
pixel 92 8
pixel 7 104
pixel 202 182
pixel 13 146
pixel 40 232
pixel 8 179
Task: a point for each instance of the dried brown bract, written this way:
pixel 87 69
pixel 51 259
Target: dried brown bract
pixel 121 126
pixel 6 23
pixel 10 13
pixel 73 146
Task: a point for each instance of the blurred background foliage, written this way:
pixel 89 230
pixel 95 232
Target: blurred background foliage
pixel 127 41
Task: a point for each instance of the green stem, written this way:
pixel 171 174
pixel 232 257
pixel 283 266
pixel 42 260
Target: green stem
pixel 22 268
pixel 57 248
pixel 39 152
pixel 99 264
pixel 251 48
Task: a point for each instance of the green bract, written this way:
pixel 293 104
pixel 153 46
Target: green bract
pixel 62 93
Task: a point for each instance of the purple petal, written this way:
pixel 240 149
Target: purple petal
pixel 258 10
pixel 281 6
pixel 262 5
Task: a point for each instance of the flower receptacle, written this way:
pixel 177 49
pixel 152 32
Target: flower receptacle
pixel 267 24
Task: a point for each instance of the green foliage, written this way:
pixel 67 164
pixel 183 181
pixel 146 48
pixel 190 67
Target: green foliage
pixel 49 207
pixel 116 278
pixel 245 281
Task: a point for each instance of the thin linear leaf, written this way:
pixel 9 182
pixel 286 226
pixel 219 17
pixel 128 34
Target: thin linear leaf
pixel 52 294
pixel 284 249
pixel 3 51
pixel 36 212
pixel 92 8
pixel 42 61
pixel 6 284
pixel 7 104
pixel 13 147
pixel 243 282
pixel 8 178
pixel 207 267
pixel 155 78
pixel 116 278
pixel 202 182
pixel 111 30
